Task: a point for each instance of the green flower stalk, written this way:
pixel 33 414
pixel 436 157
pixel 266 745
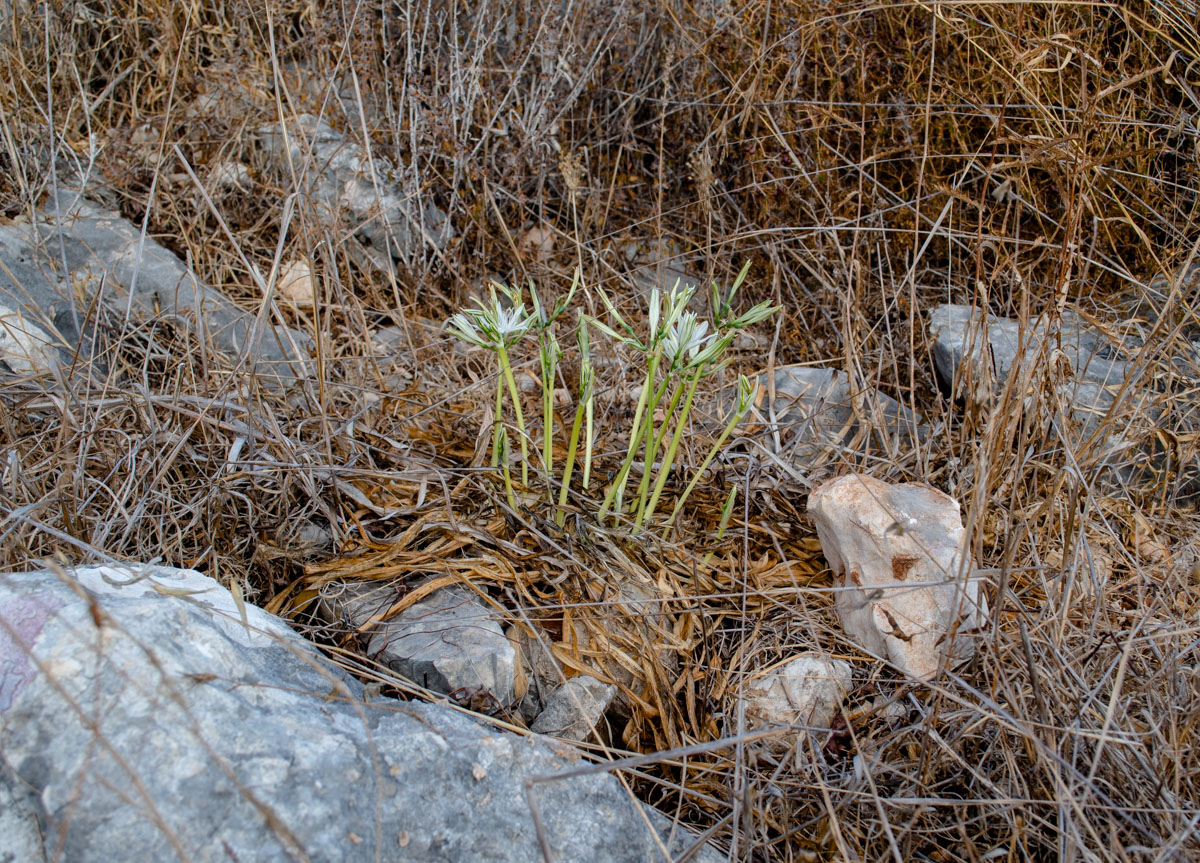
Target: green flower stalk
pixel 588 436
pixel 587 395
pixel 502 442
pixel 746 391
pixel 662 313
pixel 586 382
pixel 693 354
pixel 726 513
pixel 549 355
pixel 506 370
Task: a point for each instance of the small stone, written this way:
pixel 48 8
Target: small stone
pixel 978 355
pixel 448 642
pixel 575 707
pixel 817 412
pixel 296 284
pixel 749 341
pixel 541 673
pixel 806 692
pixel 538 243
pixel 25 348
pixel 357 189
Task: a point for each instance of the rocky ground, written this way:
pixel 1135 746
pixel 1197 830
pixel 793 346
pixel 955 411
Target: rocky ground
pixel 882 547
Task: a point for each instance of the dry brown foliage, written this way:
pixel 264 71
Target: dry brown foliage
pixel 873 161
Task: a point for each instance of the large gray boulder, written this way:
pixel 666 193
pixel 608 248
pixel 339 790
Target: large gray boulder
pixel 146 716
pixel 1136 429
pixel 107 259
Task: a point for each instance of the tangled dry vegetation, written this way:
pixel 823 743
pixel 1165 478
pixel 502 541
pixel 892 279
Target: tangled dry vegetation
pixel 871 160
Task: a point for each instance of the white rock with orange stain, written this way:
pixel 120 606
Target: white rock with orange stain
pixel 908 594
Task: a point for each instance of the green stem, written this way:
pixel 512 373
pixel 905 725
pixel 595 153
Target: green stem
pixel 617 490
pixel 726 512
pixel 733 421
pixel 508 486
pixel 561 515
pixel 506 368
pixel 548 417
pixel 669 459
pixel 496 420
pixel 587 446
pixel 653 444
pixel 648 448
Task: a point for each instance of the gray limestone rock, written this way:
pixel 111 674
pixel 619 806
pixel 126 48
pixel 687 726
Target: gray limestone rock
pixel 347 185
pixel 965 337
pixel 1101 406
pixel 352 604
pixel 20 834
pixel 152 718
pixel 27 348
pixel 575 707
pixel 652 266
pixel 105 257
pixel 448 642
pixel 817 413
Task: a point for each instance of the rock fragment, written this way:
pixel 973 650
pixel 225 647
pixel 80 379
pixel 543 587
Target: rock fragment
pixel 907 592
pixel 817 413
pixel 449 642
pixel 540 672
pixel 25 347
pixel 805 692
pixel 1129 425
pixel 968 339
pixel 575 708
pixel 297 285
pixel 106 256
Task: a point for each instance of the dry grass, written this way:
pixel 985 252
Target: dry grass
pixel 873 161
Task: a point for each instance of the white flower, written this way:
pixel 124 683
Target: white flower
pixel 492 327
pixel 686 336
